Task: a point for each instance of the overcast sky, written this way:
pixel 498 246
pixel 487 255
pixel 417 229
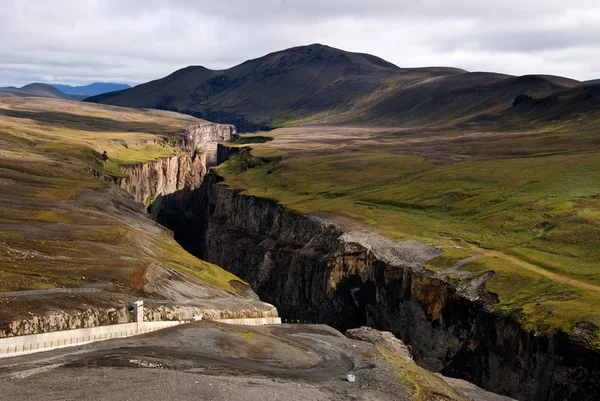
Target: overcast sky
pixel 134 41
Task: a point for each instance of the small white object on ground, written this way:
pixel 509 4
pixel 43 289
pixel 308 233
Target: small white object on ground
pixel 351 378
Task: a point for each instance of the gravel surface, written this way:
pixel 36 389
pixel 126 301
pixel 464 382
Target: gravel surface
pixel 207 361
pixel 214 361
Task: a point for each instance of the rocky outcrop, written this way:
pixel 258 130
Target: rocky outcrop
pixel 199 142
pixel 207 137
pixel 383 339
pixel 312 270
pixel 386 340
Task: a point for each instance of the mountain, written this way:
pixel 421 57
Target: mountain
pixel 96 88
pixel 456 98
pixel 37 90
pixel 578 106
pixel 321 84
pixel 280 86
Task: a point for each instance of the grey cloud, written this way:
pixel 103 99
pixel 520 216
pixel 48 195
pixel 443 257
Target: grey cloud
pixel 135 41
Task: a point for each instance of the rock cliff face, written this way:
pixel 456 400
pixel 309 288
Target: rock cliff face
pixel 313 271
pixel 207 137
pixel 164 176
pixel 199 142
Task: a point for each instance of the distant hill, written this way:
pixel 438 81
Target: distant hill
pixel 456 98
pixel 37 90
pixel 578 106
pixel 321 84
pixel 96 88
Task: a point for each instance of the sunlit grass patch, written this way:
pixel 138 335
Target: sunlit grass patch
pixel 423 384
pixel 449 258
pixel 111 235
pixel 50 217
pixel 9 235
pixel 246 335
pixel 182 261
pixel 55 193
pixel 127 155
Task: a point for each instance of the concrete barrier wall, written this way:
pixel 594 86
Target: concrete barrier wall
pixel 12 346
pixel 251 322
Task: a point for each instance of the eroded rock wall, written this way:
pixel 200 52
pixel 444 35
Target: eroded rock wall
pixel 313 271
pixel 207 137
pixel 199 142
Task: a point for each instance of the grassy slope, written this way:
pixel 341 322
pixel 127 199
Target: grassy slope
pixel 527 202
pixel 58 224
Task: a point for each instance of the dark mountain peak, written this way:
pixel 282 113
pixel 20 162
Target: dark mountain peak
pixel 322 55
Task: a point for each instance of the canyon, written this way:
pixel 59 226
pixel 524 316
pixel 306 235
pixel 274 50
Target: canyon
pixel 312 270
pixel 310 266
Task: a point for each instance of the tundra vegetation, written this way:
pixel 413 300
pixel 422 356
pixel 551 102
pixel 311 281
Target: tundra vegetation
pixel 523 204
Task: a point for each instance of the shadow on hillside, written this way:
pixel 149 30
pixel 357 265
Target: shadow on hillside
pixel 86 123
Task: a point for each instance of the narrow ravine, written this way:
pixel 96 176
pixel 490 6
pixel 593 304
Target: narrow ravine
pixel 311 270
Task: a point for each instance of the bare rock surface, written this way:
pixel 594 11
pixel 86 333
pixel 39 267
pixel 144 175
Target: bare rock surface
pixel 212 361
pixel 381 338
pixel 404 253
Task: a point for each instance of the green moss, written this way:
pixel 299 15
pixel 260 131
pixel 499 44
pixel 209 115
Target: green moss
pixel 9 235
pixel 449 258
pixel 112 169
pixel 207 274
pixel 180 260
pixel 129 155
pixel 53 193
pixel 246 334
pixel 50 217
pixel 112 235
pixel 423 384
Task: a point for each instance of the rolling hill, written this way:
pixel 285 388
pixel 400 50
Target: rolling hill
pixel 37 90
pixel 320 84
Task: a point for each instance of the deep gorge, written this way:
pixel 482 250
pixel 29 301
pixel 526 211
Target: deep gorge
pixel 313 271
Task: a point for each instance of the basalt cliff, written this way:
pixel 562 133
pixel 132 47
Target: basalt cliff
pixel 314 271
